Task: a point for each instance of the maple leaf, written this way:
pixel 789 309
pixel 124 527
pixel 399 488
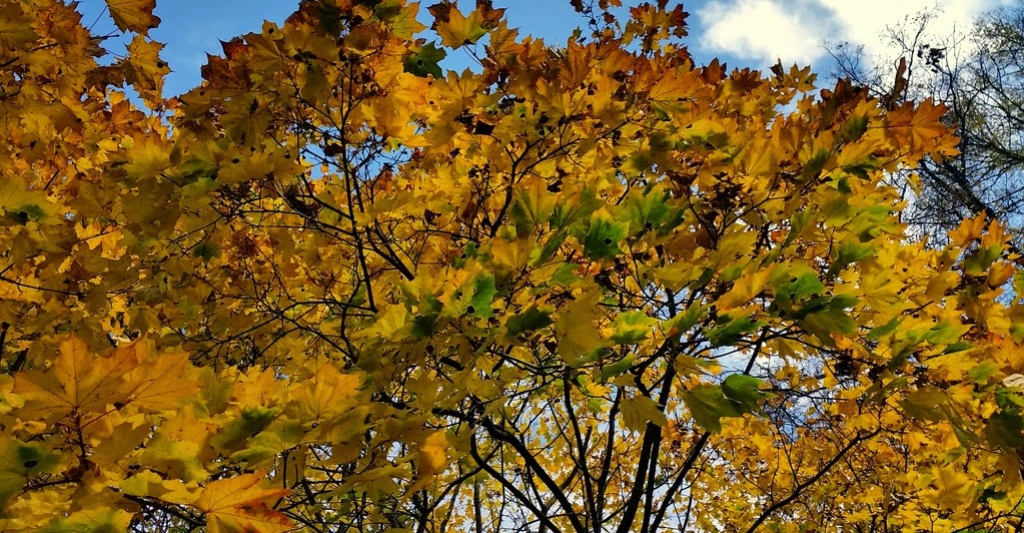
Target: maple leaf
pixel 490 17
pixel 16 28
pixel 638 411
pixel 403 21
pixel 239 504
pixel 134 15
pixel 21 205
pixel 161 382
pixel 432 454
pixel 327 394
pixel 456 29
pixel 145 70
pixel 920 128
pixel 78 382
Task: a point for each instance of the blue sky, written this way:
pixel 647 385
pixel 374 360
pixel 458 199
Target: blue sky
pixel 743 33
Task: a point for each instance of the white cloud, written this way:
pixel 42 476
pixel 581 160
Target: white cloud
pixel 865 21
pixel 794 30
pixel 760 30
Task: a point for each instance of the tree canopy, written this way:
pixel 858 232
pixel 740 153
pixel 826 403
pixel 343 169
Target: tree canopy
pixel 585 287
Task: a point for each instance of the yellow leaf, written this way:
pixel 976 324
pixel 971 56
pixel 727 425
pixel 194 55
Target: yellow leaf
pixel 577 335
pixel 638 410
pixel 404 25
pixel 134 15
pixel 326 395
pixel 239 504
pixel 162 382
pixel 458 29
pixel 145 70
pixel 432 460
pixel 78 382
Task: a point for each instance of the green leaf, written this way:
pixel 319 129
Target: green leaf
pixel 708 405
pixel 20 461
pixel 925 404
pixel 945 333
pixel 206 250
pixel 958 346
pixel 884 330
pixel 854 128
pixel 979 262
pixel 1017 331
pixel 277 439
pixel 253 419
pixel 639 410
pixel 602 239
pixel 731 331
pixel 616 369
pixel 25 213
pixel 423 326
pixel 425 61
pixel 565 275
pixel 850 252
pixel 862 169
pixel 538 256
pixel 825 315
pixel 814 166
pixel 687 319
pixel 646 212
pixel 982 372
pixel 196 168
pixel 532 207
pixel 744 392
pixel 573 209
pixel 806 284
pixel 632 327
pixel 483 294
pixel 1005 430
pixel 530 320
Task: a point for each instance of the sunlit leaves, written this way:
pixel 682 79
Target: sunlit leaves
pixel 537 293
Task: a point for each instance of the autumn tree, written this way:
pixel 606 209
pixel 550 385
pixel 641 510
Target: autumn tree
pixel 592 287
pixel 974 71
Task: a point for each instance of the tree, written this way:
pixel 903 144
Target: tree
pixel 975 74
pixel 590 288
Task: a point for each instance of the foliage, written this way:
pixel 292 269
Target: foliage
pixel 975 73
pixel 591 287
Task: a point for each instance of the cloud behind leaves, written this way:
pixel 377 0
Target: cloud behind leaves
pixel 762 31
